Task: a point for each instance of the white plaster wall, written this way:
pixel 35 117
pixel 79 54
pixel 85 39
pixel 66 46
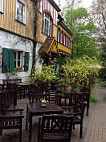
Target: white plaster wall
pixel 8 40
pixel 38 63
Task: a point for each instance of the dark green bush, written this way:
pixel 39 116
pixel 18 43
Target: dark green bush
pixel 102 74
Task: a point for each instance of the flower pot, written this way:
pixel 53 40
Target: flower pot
pixel 43 105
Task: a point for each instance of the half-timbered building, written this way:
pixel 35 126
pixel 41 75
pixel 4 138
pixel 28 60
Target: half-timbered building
pixel 53 38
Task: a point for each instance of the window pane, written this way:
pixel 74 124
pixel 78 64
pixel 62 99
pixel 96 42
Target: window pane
pixel 47 24
pixel 61 36
pixel 18 59
pixel 50 29
pixel 64 39
pixel 18 55
pixel 18 63
pixel 1 5
pixel 20 11
pixel 58 35
pixel 14 64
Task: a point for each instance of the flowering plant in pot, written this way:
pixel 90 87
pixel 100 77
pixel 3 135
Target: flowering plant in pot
pixel 44 102
pixel 19 68
pixel 69 88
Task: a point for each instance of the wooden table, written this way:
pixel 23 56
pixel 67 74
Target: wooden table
pixel 34 109
pixel 83 96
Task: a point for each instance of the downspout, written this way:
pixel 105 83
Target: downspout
pixel 34 36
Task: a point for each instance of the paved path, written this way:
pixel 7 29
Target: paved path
pixel 94 129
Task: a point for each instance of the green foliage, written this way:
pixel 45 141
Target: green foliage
pixel 79 72
pixel 102 73
pixel 44 75
pixel 103 55
pixel 61 61
pixel 14 73
pixel 82 26
pixel 93 100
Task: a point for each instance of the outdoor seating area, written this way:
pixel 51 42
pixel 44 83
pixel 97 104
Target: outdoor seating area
pixel 58 109
pixel 52 71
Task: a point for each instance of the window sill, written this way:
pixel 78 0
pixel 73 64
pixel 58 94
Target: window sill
pixel 19 70
pixel 20 22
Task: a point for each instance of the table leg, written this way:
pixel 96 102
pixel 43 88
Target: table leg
pixel 26 126
pixel 5 100
pixel 24 92
pixel 30 128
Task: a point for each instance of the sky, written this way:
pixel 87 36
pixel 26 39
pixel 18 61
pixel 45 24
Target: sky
pixel 84 3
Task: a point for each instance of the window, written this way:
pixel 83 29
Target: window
pixel 47 24
pixel 14 59
pixel 58 35
pixel 64 39
pixel 18 59
pixel 70 44
pixel 20 13
pixel 67 41
pixel 1 6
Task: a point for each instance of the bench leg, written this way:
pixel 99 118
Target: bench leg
pixel 0 131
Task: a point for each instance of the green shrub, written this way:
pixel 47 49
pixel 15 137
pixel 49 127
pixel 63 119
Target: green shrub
pixel 93 100
pixel 79 72
pixel 44 75
pixel 102 74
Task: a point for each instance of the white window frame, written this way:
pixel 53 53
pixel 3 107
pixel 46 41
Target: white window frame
pixel 47 25
pixel 24 12
pixel 16 59
pixel 1 6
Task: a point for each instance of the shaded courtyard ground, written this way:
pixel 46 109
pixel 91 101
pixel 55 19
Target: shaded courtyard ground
pixel 94 129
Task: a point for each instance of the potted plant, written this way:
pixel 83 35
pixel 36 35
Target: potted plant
pixel 43 103
pixel 19 68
